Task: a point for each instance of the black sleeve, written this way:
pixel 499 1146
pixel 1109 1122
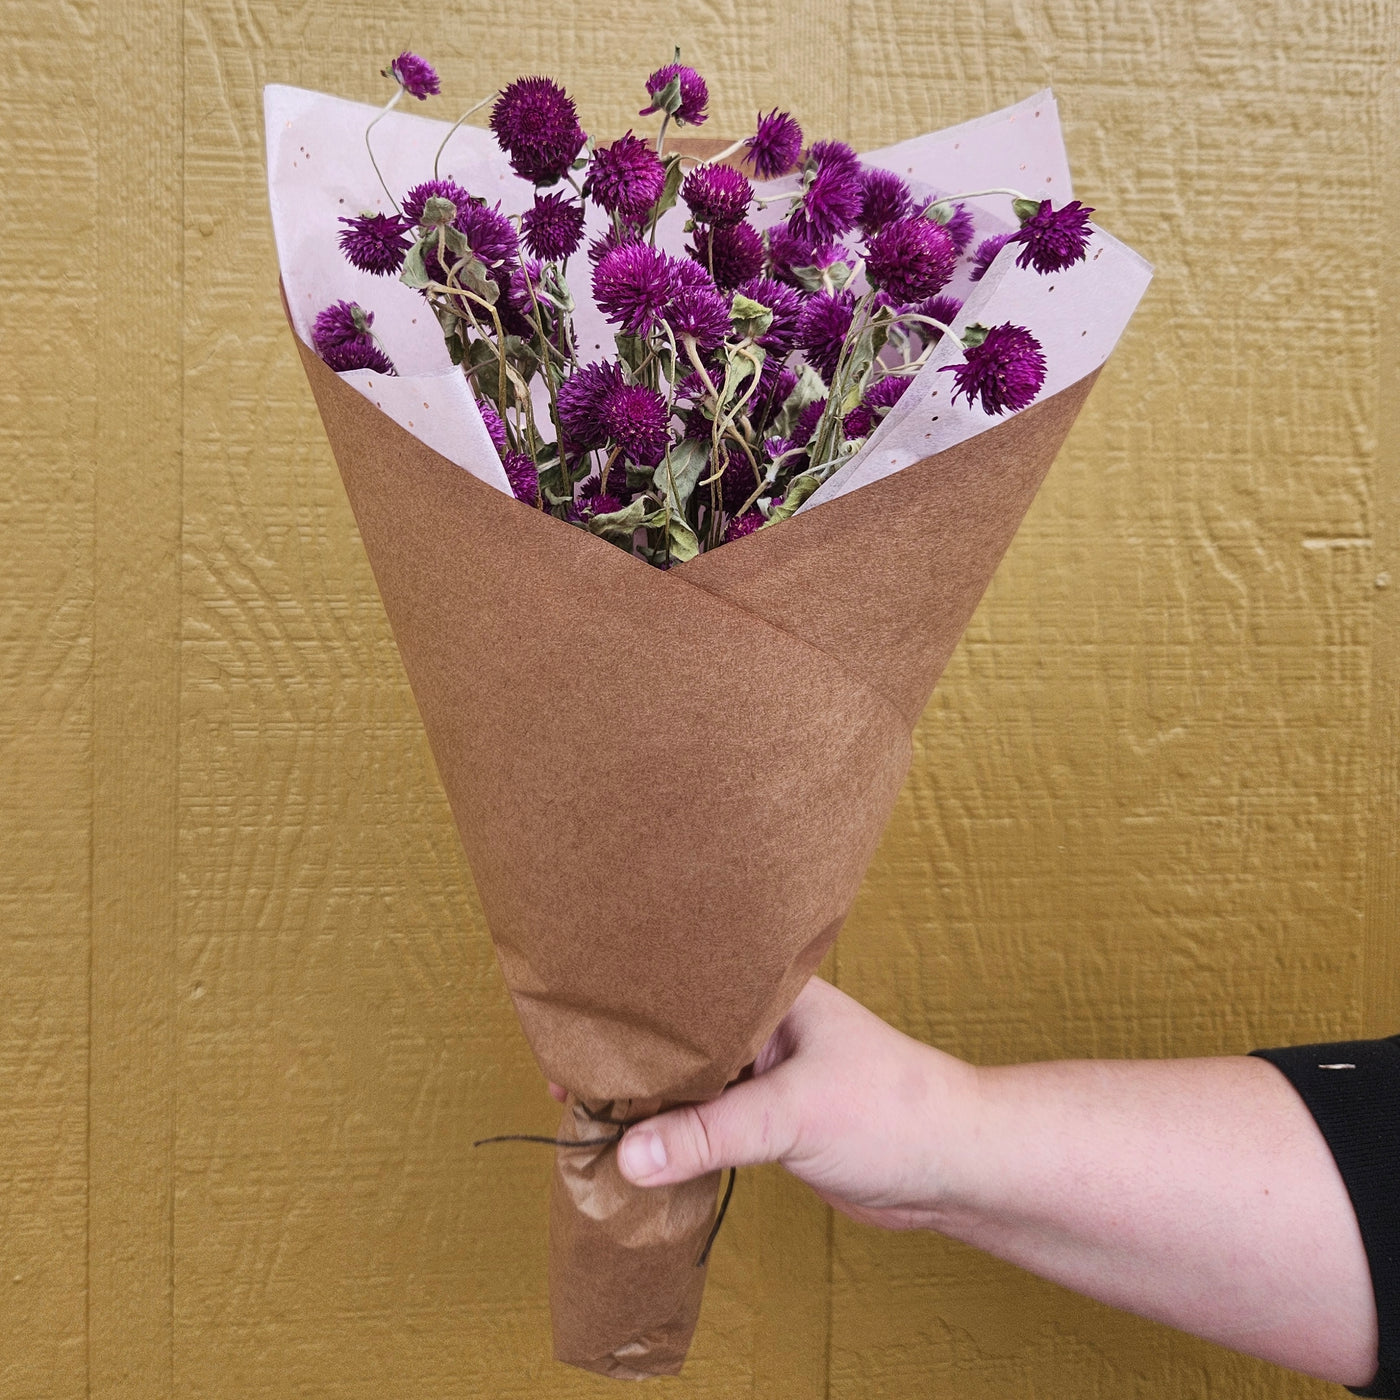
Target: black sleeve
pixel 1353 1090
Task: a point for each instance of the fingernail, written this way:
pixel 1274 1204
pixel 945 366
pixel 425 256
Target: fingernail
pixel 642 1153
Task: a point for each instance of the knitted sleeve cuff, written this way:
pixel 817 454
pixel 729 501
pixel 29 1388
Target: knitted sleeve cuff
pixel 1352 1088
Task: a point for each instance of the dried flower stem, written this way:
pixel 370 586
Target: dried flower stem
pixel 476 108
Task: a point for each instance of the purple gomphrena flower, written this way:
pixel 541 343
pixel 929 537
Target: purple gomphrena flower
pixel 342 323
pixel 523 282
pixel 939 308
pixel 625 178
pixel 601 247
pixel 632 285
pixel 717 194
pixel 822 327
pixel 489 234
pixel 807 422
pixel 775 146
pixel 742 525
pixel 1053 239
pixel 536 123
pixel 732 254
pixel 694 93
pixel 772 398
pixel 1005 371
pixel 701 313
pixel 490 415
pixel 552 228
pixel 580 400
pixel 986 253
pixel 415 75
pixel 376 243
pixel 614 482
pixel 787 252
pixel 358 354
pixel 958 224
pixel 589 504
pixel 786 306
pixel 737 482
pixel 775 447
pixel 523 476
pixel 878 399
pixel 419 195
pixel 884 197
pixel 831 202
pixel 634 417
pixel 911 259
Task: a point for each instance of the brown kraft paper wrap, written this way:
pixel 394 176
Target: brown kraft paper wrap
pixel 668 784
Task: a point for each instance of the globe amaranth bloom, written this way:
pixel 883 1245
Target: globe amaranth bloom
pixel 701 313
pixel 635 418
pixel 523 476
pixel 376 243
pixel 591 503
pixel 986 253
pixel 717 194
pixel 415 75
pixel 911 259
pixel 1053 239
pixel 786 306
pixel 342 323
pixel 579 402
pixel 358 354
pixel 958 223
pixel 625 178
pixel 939 308
pixel 737 482
pixel 807 422
pixel 878 399
pixel 732 254
pixel 491 416
pixel 552 228
pixel 822 327
pixel 788 251
pixel 525 292
pixel 417 198
pixel 743 525
pixel 489 234
pixel 831 202
pixel 884 197
pixel 1005 371
pixel 536 124
pixel 602 246
pixel 775 146
pixel 689 109
pixel 632 286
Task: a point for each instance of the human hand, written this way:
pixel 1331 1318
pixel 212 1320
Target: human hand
pixel 845 1102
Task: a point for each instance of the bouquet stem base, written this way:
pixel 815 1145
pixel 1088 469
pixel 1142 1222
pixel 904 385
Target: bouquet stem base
pixel 624 1284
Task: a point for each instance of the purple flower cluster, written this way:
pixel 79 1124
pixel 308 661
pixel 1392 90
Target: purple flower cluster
pixel 625 178
pixel 536 123
pixel 775 146
pixel 737 349
pixel 415 75
pixel 717 194
pixel 692 100
pixel 552 228
pixel 1004 372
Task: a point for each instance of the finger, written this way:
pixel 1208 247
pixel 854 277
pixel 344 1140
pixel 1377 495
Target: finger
pixel 747 1124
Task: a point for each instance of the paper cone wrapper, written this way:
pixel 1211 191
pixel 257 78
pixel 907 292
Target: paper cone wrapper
pixel 668 784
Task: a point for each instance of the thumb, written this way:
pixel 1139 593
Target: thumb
pixel 748 1124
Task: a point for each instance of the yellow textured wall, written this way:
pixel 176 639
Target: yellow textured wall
pixel 251 1020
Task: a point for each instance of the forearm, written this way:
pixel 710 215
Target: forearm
pixel 1196 1192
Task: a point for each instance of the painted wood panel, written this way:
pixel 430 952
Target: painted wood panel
pixel 1154 803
